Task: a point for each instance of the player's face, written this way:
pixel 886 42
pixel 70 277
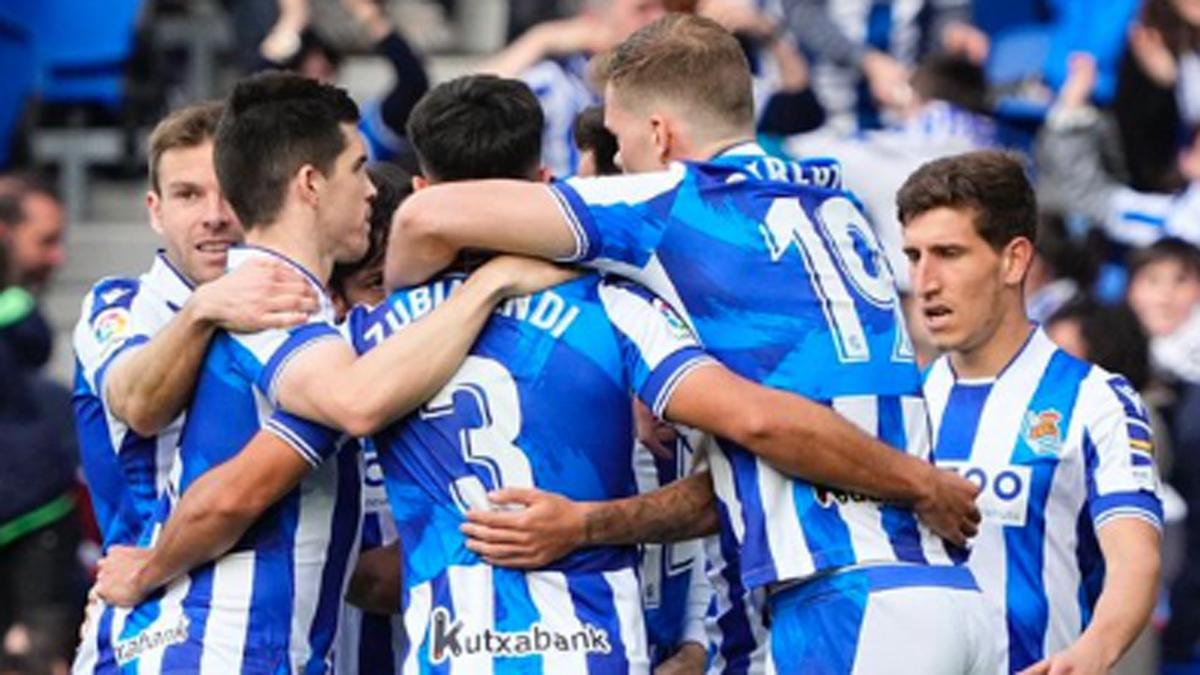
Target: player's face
pixel 637 136
pixel 364 287
pixel 345 202
pixel 959 280
pixel 1163 295
pixel 191 214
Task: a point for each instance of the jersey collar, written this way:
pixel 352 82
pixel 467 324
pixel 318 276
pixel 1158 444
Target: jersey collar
pixel 168 281
pixel 240 255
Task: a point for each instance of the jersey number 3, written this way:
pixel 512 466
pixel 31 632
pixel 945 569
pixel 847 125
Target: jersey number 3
pixel 482 399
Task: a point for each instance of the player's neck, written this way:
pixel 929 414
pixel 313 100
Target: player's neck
pixel 294 237
pixel 992 354
pixel 711 148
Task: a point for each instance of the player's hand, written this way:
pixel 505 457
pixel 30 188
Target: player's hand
pixel 1078 659
pixel 118 574
pixel 689 660
pixel 658 436
pixel 949 508
pixel 549 527
pixel 258 295
pixel 517 275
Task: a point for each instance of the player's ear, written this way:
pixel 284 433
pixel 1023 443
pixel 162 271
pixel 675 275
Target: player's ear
pixel 544 174
pixel 154 208
pixel 308 181
pixel 1018 256
pixel 419 182
pixel 663 136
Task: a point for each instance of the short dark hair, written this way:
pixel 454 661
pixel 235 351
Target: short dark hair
pixel 953 79
pixel 187 127
pixel 21 184
pixel 1166 249
pixel 392 186
pixel 685 59
pixel 990 183
pixel 275 123
pixel 592 135
pixel 1113 336
pixel 477 126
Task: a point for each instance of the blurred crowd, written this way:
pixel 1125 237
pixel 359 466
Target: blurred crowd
pixel 1103 98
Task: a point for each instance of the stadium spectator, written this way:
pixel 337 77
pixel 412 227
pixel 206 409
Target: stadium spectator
pixel 41 579
pixel 294 44
pixel 864 50
pixel 35 238
pixel 552 58
pixel 1081 172
pixel 946 115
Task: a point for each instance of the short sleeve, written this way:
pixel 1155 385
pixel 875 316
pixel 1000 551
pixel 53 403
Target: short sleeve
pixel 618 220
pixel 276 348
pixel 658 348
pixel 314 442
pixel 1118 450
pixel 107 327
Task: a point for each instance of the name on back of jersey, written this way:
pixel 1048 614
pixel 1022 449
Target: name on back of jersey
pixel 546 310
pixel 1003 490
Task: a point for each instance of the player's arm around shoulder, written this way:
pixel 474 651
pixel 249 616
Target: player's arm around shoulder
pixel 328 384
pixel 152 382
pixel 434 224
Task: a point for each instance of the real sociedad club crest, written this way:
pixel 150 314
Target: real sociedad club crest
pixel 1042 432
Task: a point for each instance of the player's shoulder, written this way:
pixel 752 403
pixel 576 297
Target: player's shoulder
pixel 1103 393
pixel 108 293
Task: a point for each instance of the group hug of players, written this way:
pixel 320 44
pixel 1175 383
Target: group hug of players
pixel 247 402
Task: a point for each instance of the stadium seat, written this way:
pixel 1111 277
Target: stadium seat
pixel 19 68
pixel 82 49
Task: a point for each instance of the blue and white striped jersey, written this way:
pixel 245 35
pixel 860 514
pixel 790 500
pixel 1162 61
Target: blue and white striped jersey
pixel 561 86
pixel 271 604
pixel 1060 447
pixel 542 401
pixel 1142 218
pixel 125 472
pixel 784 282
pixel 370 644
pixel 676 594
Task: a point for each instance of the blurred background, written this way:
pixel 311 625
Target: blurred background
pixel 1101 96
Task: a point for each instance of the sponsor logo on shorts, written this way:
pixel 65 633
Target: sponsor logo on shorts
pixel 450 638
pixel 150 640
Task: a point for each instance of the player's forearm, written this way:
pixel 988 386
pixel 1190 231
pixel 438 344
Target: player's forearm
pixel 1131 570
pixel 508 216
pixel 148 388
pixel 806 439
pixel 214 512
pixel 685 509
pixel 415 362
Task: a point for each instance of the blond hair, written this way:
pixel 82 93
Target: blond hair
pixel 684 60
